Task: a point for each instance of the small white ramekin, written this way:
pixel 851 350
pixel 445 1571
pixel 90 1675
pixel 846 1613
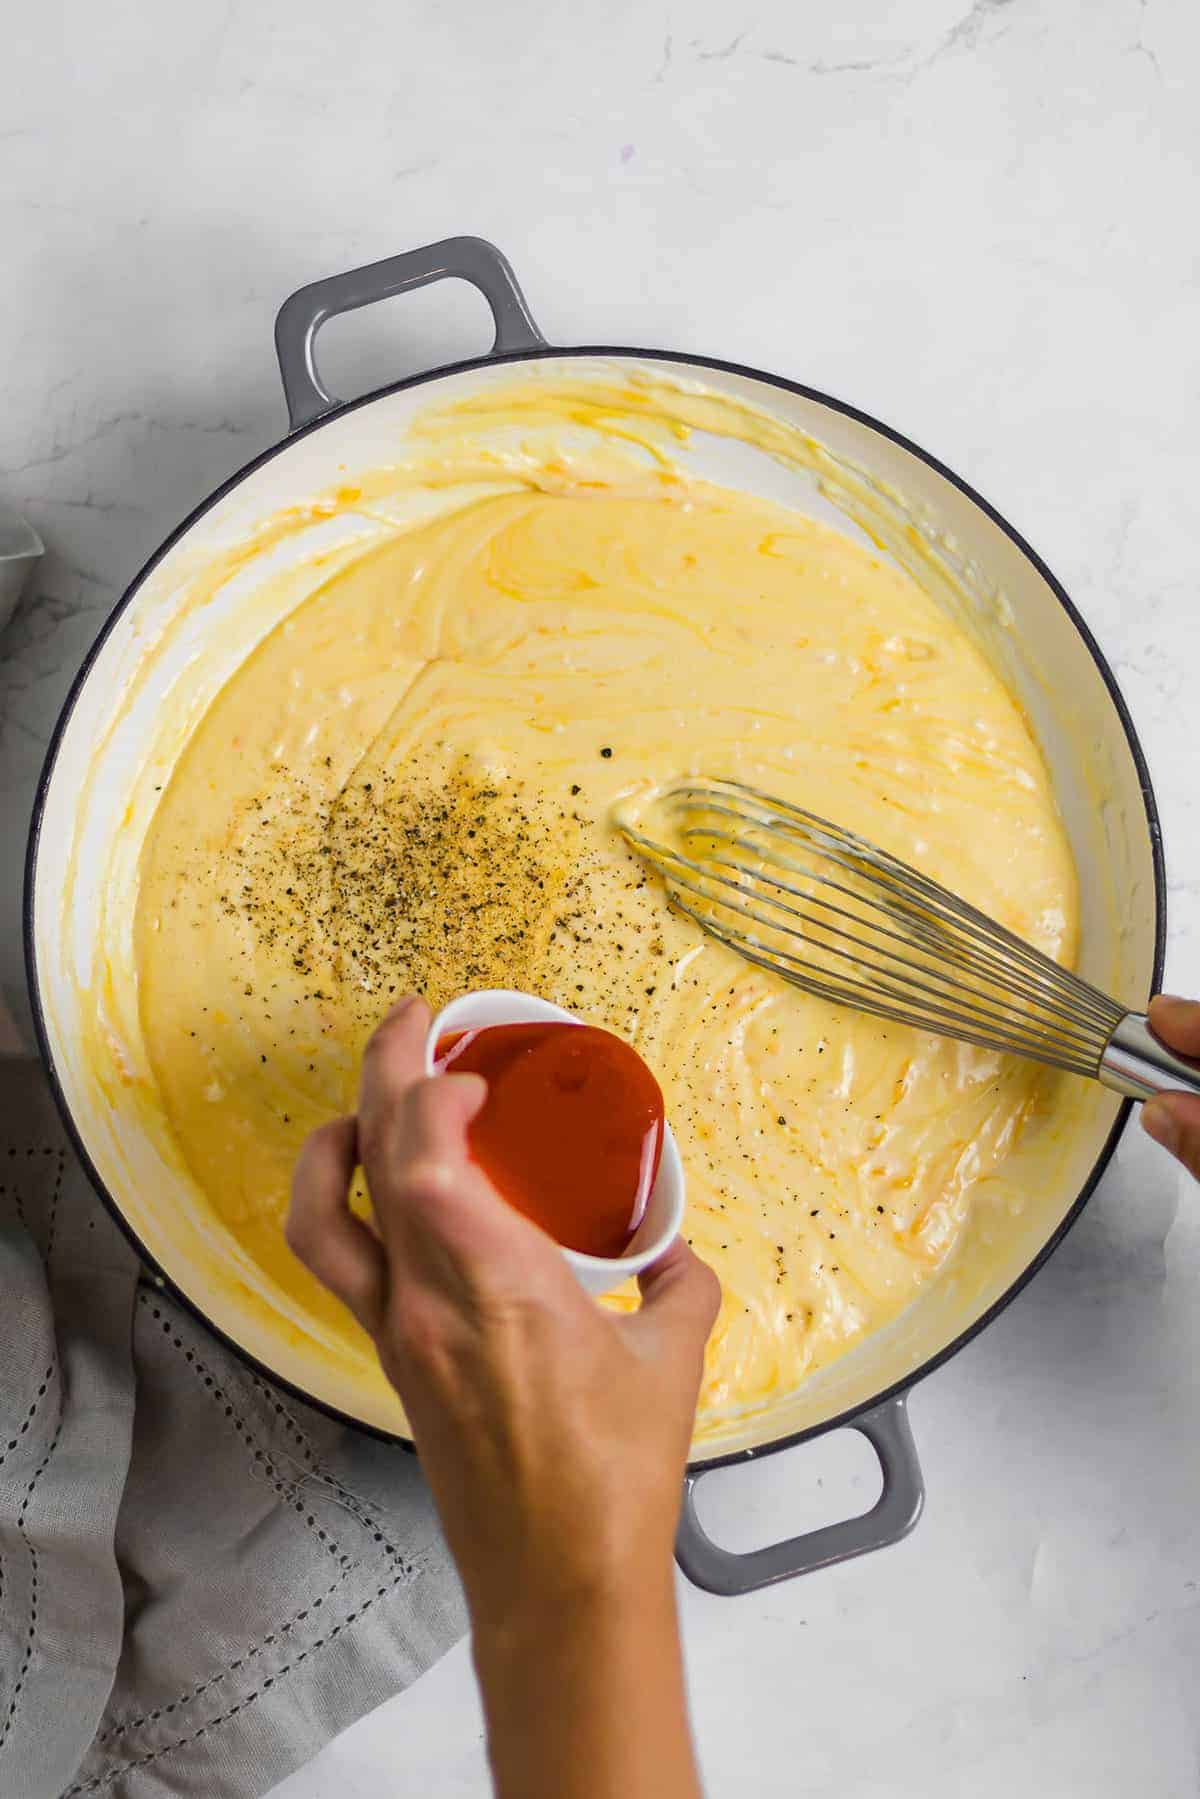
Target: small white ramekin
pixel 664 1209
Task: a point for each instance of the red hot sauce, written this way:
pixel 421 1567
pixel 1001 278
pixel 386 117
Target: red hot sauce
pixel 571 1131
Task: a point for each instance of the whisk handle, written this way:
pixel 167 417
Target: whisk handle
pixel 1137 1063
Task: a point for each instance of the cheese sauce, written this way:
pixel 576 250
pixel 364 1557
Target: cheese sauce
pixel 409 784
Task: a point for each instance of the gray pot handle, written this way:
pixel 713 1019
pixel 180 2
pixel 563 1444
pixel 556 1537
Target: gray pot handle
pixel 467 258
pixel 893 1515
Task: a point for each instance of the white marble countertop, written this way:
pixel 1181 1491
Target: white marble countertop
pixel 977 221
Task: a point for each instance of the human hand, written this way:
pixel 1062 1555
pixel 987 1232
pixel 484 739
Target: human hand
pixel 553 1433
pixel 1173 1119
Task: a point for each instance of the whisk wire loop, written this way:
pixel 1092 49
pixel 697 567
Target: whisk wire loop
pixel 828 911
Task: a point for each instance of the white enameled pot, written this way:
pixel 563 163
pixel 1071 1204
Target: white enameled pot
pixel 84 805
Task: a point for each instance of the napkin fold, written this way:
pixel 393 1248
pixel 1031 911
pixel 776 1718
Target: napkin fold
pixel 202 1580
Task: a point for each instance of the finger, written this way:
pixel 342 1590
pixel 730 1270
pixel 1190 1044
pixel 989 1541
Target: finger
pixel 444 1222
pixel 681 1297
pixel 420 1155
pixel 1177 1022
pixel 1173 1119
pixel 432 1116
pixel 393 1061
pixel 441 1218
pixel 403 1111
pixel 343 1253
pixel 447 1226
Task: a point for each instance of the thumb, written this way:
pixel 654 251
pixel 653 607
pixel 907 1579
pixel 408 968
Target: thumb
pixel 681 1297
pixel 1173 1119
pixel 1177 1022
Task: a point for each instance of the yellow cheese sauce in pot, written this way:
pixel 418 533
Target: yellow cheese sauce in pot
pixel 409 784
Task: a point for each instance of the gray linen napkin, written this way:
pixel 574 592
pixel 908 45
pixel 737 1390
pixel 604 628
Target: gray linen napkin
pixel 201 1580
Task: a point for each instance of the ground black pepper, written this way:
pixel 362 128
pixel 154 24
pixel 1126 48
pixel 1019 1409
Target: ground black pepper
pixel 429 886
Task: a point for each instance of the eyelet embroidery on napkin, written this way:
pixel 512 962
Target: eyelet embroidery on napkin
pixel 283 1490
pixel 32 1627
pixel 286 1490
pixel 367 1565
pixel 359 1509
pixel 52 1227
pixel 18 1202
pixel 239 1662
pixel 141 1761
pixel 30 1415
pixel 31 1632
pixel 260 1456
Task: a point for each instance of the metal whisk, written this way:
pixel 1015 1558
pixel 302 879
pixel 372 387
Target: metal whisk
pixel 839 917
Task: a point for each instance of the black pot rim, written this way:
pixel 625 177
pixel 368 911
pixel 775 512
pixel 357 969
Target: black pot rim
pixel 160 1277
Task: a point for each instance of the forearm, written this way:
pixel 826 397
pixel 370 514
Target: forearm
pixel 587 1701
pixel 553 1433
